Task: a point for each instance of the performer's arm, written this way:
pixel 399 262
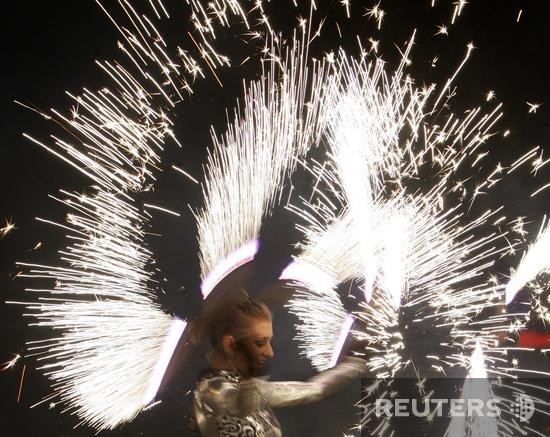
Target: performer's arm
pixel 217 395
pixel 289 393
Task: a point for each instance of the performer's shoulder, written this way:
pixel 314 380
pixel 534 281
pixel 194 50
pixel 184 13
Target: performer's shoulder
pixel 211 373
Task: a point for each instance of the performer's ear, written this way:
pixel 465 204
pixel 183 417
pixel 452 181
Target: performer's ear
pixel 228 345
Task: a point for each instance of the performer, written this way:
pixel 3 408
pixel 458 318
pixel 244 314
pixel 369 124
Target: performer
pixel 230 399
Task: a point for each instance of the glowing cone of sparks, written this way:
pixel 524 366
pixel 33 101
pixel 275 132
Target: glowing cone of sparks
pixel 109 342
pixel 476 392
pixel 112 342
pixel 362 115
pixel 316 303
pixel 245 171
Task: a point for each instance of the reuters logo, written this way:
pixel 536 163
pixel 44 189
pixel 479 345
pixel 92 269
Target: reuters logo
pixel 524 408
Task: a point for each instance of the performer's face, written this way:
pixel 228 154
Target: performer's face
pixel 256 347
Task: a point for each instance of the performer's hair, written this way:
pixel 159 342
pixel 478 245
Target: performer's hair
pixel 229 316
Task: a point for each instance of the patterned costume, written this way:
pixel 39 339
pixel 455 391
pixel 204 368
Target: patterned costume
pixel 227 404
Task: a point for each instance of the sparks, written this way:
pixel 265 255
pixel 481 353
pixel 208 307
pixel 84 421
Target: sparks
pixel 10 226
pixel 273 130
pixel 345 3
pixel 374 45
pixel 185 174
pixel 158 208
pixel 533 107
pixel 442 30
pixel 21 383
pixel 11 363
pixel 376 13
pixel 459 5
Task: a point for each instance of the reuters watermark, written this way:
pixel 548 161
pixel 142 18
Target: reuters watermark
pixel 523 408
pixel 448 406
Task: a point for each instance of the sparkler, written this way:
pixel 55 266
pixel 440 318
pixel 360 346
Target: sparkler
pixel 325 322
pixel 100 301
pixel 369 125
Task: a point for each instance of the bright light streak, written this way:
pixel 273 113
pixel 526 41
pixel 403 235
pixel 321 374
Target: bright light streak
pixel 477 363
pixel 307 274
pixel 523 159
pixel 235 259
pixel 477 389
pixel 170 343
pixel 469 49
pixel 21 383
pixel 544 187
pixel 154 404
pixel 459 5
pixel 534 262
pixel 158 208
pixel 345 3
pixel 342 339
pixel 395 255
pixel 185 173
pixel 519 15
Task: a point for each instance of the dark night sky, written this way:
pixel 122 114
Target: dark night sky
pixel 49 47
